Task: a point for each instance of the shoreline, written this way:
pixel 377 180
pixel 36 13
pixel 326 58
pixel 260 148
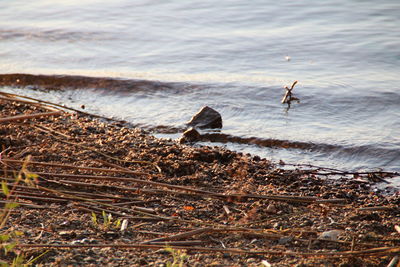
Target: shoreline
pixel 217 206
pixel 345 152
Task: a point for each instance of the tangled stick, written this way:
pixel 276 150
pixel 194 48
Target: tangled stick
pixel 287 98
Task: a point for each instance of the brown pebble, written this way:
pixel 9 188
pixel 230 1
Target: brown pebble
pixel 189 136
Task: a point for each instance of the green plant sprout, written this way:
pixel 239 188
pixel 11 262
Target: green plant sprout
pixel 8 236
pixel 107 221
pixel 179 257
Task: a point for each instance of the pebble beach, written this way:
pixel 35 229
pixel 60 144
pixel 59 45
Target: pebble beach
pixel 93 191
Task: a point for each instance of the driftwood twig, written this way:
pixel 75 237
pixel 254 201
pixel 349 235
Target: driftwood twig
pixel 287 98
pixel 30 116
pixel 374 252
pixel 179 236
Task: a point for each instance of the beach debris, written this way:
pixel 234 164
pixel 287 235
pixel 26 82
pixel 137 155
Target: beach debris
pixel 330 235
pixel 397 228
pixel 206 118
pixel 124 225
pixel 188 208
pixel 287 98
pixel 189 136
pixel 226 209
pixel 265 263
pixel 394 262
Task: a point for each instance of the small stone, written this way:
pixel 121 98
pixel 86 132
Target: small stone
pixel 284 240
pixel 265 263
pixel 89 259
pixel 271 209
pixel 67 234
pixel 111 235
pixel 277 225
pixel 306 223
pixel 206 118
pixel 331 235
pixel 190 135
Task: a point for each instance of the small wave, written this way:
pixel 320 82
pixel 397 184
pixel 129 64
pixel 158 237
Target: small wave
pixel 360 153
pixel 51 35
pixel 57 82
pixel 367 156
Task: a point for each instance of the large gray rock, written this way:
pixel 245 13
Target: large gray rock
pixel 206 118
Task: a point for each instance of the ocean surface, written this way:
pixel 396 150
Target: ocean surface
pixel 156 63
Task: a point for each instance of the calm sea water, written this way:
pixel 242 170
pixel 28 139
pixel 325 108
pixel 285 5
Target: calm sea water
pixel 234 56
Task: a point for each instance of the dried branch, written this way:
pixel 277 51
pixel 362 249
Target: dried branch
pixel 180 235
pixel 30 116
pixel 374 252
pixel 287 98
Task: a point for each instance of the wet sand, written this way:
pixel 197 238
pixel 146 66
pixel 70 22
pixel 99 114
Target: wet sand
pixel 212 206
